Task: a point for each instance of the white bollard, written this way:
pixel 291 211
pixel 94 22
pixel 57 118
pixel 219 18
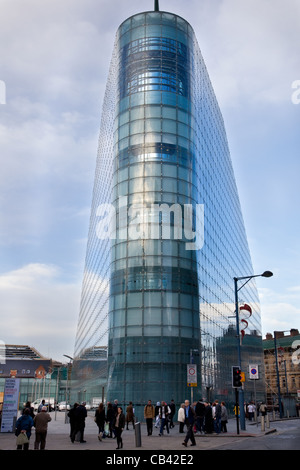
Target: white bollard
pixel 263 423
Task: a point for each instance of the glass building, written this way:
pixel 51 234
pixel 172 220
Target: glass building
pixel 166 232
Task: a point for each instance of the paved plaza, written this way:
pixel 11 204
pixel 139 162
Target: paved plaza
pixel 58 437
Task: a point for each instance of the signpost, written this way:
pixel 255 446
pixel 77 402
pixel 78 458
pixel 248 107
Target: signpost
pixel 10 404
pixel 192 378
pixel 253 372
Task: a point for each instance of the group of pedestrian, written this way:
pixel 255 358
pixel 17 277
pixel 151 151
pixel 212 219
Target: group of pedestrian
pixel 77 417
pixel 208 417
pixel 112 422
pixel 27 421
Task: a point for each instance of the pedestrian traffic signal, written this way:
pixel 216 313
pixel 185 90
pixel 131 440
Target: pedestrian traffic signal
pixel 236 377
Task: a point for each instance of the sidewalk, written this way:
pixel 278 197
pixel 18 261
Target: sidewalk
pixel 58 437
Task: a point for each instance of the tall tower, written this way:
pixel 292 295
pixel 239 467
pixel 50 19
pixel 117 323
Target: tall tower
pixel 158 282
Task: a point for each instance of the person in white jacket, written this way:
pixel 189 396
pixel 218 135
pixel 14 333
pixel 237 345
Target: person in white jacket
pixel 181 417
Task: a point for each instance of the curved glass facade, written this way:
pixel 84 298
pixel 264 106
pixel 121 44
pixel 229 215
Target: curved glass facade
pixel 162 288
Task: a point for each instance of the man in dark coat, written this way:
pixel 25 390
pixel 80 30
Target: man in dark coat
pixel 189 422
pixel 80 414
pixel 200 411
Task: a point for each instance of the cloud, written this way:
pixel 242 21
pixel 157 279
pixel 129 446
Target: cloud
pixel 39 308
pixel 280 309
pixel 250 49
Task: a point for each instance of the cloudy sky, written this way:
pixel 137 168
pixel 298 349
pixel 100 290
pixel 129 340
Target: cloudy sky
pixel 54 60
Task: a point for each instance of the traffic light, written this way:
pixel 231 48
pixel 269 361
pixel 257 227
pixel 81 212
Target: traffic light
pixel 236 377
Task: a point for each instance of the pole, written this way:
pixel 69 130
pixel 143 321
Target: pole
pixel 277 373
pixel 241 391
pixel 156 5
pixel 237 410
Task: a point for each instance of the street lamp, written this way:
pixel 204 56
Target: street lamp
pixel 67 386
pixel 236 290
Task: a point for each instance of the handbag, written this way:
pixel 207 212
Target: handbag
pixel 22 439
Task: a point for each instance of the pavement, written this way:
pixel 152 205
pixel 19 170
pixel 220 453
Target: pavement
pixel 58 437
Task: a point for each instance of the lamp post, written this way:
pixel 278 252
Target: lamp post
pixel 67 386
pixel 236 290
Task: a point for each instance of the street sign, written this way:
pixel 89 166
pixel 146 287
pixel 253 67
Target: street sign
pixel 253 372
pixel 191 375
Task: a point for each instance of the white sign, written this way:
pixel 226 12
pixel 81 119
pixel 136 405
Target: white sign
pixel 192 375
pixel 10 404
pixel 253 371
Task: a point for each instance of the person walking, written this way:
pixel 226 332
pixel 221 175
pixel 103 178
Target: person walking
pixel 251 411
pixel 172 413
pixel 23 430
pixel 200 411
pixel 72 417
pixel 41 421
pixel 41 406
pixel 31 409
pixel 100 420
pixel 224 417
pixel 149 415
pixel 156 412
pixel 130 415
pixel 208 419
pixel 110 418
pixel 119 426
pixel 263 409
pixel 217 417
pixel 164 412
pixel 80 414
pixel 181 418
pixel 189 414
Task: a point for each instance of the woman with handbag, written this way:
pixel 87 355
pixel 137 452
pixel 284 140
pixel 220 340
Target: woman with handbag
pixel 23 430
pixel 119 426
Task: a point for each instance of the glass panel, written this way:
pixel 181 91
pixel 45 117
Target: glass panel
pixel 135 300
pixel 169 126
pixel 169 113
pixel 153 111
pixel 153 125
pixel 137 127
pixel 152 316
pixel 136 171
pixel 123 174
pixel 152 169
pixel 134 331
pixel 137 113
pixel 135 248
pixel 152 331
pixel 151 300
pixel 169 170
pixel 134 316
pixel 119 318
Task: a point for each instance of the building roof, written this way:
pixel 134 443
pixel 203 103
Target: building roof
pixel 284 341
pixel 14 351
